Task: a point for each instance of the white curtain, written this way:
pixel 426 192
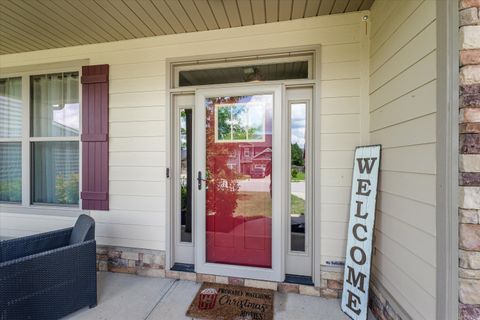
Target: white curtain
pixel 10 127
pixel 10 107
pixel 54 105
pixel 55 172
pixel 55 113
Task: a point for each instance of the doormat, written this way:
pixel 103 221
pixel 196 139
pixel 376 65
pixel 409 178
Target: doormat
pixel 226 302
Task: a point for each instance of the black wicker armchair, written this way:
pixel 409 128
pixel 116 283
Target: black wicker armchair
pixel 49 275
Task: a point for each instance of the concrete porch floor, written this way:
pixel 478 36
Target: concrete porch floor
pixel 130 297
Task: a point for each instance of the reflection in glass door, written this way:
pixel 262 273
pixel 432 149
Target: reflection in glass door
pixel 299 253
pixel 182 178
pixel 185 175
pixel 239 180
pixel 298 175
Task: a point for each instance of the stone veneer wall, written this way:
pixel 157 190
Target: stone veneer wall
pixel 151 263
pixel 469 203
pixel 381 304
pixel 142 262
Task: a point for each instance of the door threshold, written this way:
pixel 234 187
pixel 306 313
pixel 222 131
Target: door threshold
pixel 296 279
pixel 183 267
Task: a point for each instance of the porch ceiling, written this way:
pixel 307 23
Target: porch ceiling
pixel 28 25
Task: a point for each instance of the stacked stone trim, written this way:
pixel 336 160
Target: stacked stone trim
pixel 469 160
pixel 142 262
pixel 380 305
pixel 331 285
pixel 151 263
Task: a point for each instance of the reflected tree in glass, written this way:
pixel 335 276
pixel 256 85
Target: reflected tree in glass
pixel 297 180
pixel 185 175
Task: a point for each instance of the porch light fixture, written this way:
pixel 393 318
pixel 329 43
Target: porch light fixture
pixel 253 74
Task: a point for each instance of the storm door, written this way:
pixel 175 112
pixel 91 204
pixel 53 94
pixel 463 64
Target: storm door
pixel 238 181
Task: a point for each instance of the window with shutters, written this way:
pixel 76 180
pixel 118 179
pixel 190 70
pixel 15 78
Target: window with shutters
pixel 40 126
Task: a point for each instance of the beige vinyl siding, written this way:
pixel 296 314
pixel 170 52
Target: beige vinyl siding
pixel 340 127
pixel 139 119
pixel 403 120
pixel 341 131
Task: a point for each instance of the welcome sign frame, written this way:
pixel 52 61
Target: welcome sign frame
pixel 360 232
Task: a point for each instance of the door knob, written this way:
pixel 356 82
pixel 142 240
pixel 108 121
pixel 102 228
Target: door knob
pixel 200 179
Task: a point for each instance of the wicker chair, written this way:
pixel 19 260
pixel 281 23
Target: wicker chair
pixel 49 275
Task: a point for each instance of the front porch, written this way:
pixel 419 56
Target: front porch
pixel 219 136
pixel 123 296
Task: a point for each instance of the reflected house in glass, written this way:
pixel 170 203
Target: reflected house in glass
pixel 247 125
pixel 250 159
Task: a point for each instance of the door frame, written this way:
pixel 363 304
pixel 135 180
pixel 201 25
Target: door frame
pixel 316 136
pixel 447 202
pixel 302 257
pixel 276 272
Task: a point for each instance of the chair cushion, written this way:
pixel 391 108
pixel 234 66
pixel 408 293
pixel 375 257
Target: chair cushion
pixel 83 230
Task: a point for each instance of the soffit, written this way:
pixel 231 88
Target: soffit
pixel 29 25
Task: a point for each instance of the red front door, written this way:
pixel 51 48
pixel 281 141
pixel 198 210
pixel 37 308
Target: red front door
pixel 239 173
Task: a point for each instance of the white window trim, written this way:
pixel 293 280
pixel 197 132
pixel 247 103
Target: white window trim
pixel 176 173
pixel 26 205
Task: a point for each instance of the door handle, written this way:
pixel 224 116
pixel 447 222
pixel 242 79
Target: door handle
pixel 200 179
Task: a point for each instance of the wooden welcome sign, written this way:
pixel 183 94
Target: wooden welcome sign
pixel 360 232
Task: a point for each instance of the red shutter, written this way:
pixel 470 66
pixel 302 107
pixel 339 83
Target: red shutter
pixel 95 137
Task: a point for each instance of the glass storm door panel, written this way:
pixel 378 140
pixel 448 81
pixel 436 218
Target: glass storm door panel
pixel 238 206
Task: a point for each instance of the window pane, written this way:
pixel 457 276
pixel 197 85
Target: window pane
pixel 247 73
pixel 55 109
pixel 240 121
pixel 55 172
pixel 185 174
pixel 11 107
pixel 11 172
pixel 297 167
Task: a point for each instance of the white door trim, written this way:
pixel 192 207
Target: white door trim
pixel 297 262
pixel 183 251
pixel 276 273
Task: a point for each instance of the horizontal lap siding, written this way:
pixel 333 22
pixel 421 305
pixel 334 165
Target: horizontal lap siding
pixel 403 120
pixel 138 122
pixel 340 127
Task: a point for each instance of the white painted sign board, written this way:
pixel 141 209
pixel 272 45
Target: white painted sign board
pixel 360 232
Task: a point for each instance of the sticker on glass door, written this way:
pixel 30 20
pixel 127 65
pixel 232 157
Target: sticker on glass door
pixel 239 180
